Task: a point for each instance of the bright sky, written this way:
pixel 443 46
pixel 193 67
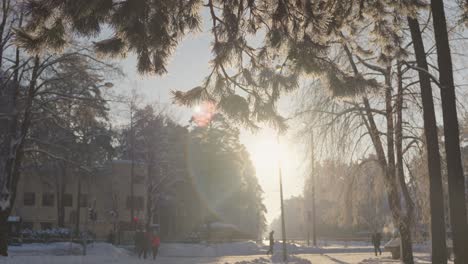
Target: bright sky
pixel 187 69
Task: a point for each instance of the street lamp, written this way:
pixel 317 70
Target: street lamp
pixel 314 231
pixel 283 225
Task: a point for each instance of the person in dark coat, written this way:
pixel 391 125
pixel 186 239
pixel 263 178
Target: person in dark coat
pixel 272 243
pixel 139 242
pixel 146 243
pixel 376 238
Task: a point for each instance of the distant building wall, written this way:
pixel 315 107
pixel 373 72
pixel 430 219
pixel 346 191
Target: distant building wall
pixel 108 192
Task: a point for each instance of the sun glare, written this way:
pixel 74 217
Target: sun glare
pixel 266 152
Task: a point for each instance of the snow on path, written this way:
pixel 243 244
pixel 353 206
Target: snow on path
pixel 119 259
pixel 102 253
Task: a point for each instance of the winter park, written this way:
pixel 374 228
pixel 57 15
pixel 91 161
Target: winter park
pixel 233 131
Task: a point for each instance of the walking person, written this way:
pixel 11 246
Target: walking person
pixel 376 238
pixel 146 243
pixel 155 243
pixel 139 241
pixel 272 243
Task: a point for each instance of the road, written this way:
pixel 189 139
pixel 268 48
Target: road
pixel 63 253
pixel 348 258
pixel 340 258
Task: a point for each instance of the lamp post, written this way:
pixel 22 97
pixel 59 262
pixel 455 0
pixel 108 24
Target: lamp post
pixel 283 226
pixel 314 230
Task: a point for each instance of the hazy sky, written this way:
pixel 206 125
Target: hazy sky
pixel 187 69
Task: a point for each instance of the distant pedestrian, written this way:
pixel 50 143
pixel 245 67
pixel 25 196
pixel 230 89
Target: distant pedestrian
pixel 146 243
pixel 139 242
pixel 376 238
pixel 155 243
pixel 272 243
pixel 111 237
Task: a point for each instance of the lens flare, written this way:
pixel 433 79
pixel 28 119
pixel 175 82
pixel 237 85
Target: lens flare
pixel 204 113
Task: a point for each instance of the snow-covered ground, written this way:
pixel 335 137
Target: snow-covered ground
pixel 241 253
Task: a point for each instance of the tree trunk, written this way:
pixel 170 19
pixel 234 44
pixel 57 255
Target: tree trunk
pixel 60 185
pixel 78 206
pixel 456 179
pixel 394 197
pixel 407 218
pixel 7 109
pixel 149 193
pixel 438 236
pixel 11 145
pixel 391 186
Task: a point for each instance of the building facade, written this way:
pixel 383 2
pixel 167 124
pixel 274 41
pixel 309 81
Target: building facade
pixel 48 198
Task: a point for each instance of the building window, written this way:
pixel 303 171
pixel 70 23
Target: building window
pixel 48 199
pixel 29 199
pixel 138 202
pixel 46 225
pixel 28 225
pixel 83 200
pixel 67 200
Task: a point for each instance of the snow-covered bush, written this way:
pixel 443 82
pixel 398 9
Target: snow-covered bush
pixel 50 235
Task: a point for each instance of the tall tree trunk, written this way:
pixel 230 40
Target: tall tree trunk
pixel 11 150
pixel 78 206
pixel 395 203
pixel 9 92
pixel 3 26
pixel 7 109
pixel 60 187
pixel 456 179
pixel 438 236
pixel 391 186
pixel 407 218
pixel 149 190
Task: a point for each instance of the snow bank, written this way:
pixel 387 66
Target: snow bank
pixel 65 249
pixel 41 249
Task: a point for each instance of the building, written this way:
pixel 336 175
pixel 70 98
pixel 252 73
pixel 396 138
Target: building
pixel 107 192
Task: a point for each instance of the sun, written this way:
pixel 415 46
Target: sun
pixel 266 152
pixel 197 109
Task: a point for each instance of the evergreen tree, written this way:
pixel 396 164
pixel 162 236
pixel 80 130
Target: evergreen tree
pixel 223 175
pixel 149 28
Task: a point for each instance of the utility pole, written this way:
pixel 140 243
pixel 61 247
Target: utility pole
pixel 314 230
pixel 283 226
pixel 309 217
pixel 132 169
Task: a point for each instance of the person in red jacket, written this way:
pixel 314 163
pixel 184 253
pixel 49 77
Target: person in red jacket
pixel 155 243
